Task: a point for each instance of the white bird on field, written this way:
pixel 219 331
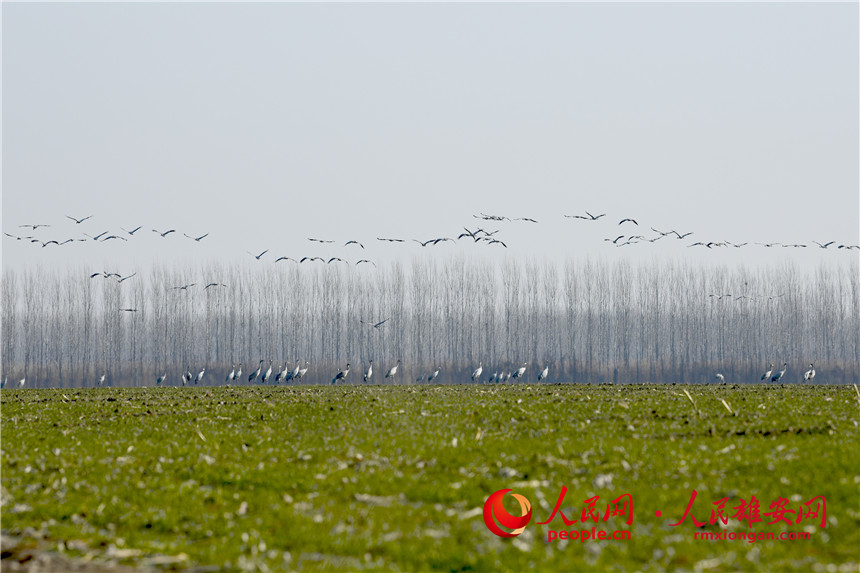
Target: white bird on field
pixel 186 377
pixel 21 382
pixel 294 375
pixel 543 374
pixel 392 371
pixel 161 379
pixel 520 371
pixel 238 375
pixel 302 371
pixel 476 375
pixel 231 375
pixel 268 373
pixel 342 374
pixel 282 374
pixel 720 377
pixel 776 377
pixel 369 373
pixel 199 377
pixel 810 374
pixel 256 373
pixel 102 379
pixel 767 374
pixel 434 375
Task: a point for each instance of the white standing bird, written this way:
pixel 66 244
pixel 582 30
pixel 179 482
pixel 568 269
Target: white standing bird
pixel 476 375
pixel 252 377
pixel 199 377
pixel 302 371
pixel 543 374
pixel 238 374
pixel 282 374
pixel 776 377
pixel 434 375
pixel 520 371
pixel 720 377
pixel 342 374
pixel 21 382
pixel 186 377
pixel 369 373
pixel 268 373
pixel 810 374
pixel 160 380
pixel 294 375
pixel 231 375
pixel 767 374
pixel 102 379
pixel 392 371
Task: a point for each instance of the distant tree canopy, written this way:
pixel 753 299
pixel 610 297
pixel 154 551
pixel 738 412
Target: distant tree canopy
pixel 588 321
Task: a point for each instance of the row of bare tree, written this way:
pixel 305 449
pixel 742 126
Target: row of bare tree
pixel 588 321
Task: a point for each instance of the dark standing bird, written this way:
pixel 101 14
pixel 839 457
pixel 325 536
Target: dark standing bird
pixel 434 375
pixel 256 373
pixel 778 376
pixel 342 374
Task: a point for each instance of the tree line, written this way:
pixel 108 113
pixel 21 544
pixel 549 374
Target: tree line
pixel 588 320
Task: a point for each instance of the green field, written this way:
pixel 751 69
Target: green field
pixel 349 478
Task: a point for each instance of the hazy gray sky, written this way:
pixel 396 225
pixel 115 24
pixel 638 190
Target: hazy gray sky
pixel 266 124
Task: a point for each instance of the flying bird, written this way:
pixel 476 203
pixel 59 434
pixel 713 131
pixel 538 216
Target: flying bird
pixel 525 219
pixel 133 231
pixel 628 220
pixel 78 221
pixel 184 287
pixel 312 259
pixel 320 240
pixel 214 285
pixel 279 259
pixel 165 233
pixel 365 261
pixel 353 243
pixel 109 237
pixel 378 324
pixel 257 256
pixel 198 239
pixel 128 310
pixel 590 217
pixel 391 240
pixel 34 227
